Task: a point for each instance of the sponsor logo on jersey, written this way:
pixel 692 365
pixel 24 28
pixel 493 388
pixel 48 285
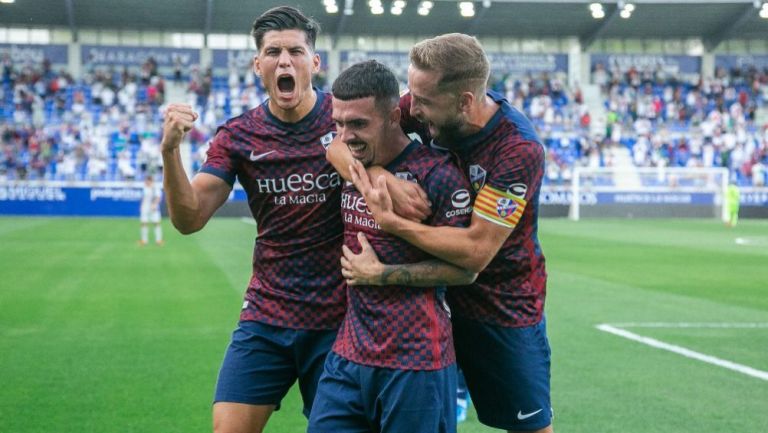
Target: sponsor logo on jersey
pixel 354 203
pixel 298 182
pixel 477 176
pixel 356 212
pixel 460 198
pixel 518 189
pixel 327 139
pixel 505 207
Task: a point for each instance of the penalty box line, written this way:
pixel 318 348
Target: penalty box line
pixel 688 353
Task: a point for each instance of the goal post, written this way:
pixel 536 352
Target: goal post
pixel 648 192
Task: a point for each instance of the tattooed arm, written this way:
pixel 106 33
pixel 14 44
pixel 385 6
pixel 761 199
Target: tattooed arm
pixel 366 269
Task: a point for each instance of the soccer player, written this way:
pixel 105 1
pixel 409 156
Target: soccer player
pixel 151 194
pixel 295 299
pixel 498 322
pixel 392 368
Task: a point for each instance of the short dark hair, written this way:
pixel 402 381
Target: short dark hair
pixel 365 79
pixel 284 18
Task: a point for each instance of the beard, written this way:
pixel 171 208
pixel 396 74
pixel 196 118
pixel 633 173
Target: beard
pixel 449 132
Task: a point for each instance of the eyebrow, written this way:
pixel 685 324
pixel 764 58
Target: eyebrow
pixel 292 47
pixel 346 121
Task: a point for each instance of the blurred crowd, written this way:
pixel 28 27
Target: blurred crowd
pixel 667 120
pixel 107 125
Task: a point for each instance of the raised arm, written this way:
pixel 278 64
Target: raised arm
pixel 190 204
pixel 409 199
pixel 366 269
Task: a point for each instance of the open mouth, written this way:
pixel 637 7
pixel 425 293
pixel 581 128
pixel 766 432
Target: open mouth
pixel 356 148
pixel 286 84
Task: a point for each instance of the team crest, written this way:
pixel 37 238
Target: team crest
pixel 476 176
pixel 505 207
pixel 326 139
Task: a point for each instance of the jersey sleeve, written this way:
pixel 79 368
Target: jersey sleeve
pixel 511 184
pixel 219 159
pixel 448 190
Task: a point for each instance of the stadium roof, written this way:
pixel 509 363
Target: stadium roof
pixel 710 20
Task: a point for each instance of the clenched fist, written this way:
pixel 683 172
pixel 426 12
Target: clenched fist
pixel 178 121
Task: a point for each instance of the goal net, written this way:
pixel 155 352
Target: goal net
pixel 648 192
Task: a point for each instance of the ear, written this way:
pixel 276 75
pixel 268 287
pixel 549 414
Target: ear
pixel 466 99
pixel 315 63
pixel 394 116
pixel 256 68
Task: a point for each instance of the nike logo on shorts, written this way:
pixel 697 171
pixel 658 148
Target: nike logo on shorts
pixel 522 416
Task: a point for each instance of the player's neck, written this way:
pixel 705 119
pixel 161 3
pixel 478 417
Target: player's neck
pixel 297 113
pixel 481 114
pixel 396 144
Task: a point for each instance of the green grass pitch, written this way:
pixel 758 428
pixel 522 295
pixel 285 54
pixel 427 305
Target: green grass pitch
pixel 100 335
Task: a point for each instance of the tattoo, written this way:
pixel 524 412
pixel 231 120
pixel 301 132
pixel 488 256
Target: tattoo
pixel 395 275
pixel 427 273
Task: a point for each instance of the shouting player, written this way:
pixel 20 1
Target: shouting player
pixel 295 298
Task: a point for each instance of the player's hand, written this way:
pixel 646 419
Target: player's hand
pixel 362 269
pixel 409 200
pixel 376 196
pixel 178 120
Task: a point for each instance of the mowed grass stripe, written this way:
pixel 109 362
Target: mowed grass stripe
pixel 139 344
pixel 105 336
pixel 720 270
pixel 609 384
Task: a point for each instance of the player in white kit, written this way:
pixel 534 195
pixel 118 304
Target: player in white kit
pixel 151 194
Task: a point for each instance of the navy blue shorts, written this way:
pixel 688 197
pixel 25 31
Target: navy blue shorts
pixel 507 372
pixel 262 362
pixel 354 398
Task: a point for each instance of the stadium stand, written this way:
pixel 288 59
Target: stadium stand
pixel 106 125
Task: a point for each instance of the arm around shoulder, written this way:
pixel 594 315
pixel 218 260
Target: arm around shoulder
pixel 471 248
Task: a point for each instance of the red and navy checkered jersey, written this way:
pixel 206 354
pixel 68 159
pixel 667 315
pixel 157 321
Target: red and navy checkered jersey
pixel 294 195
pixel 402 327
pixel 504 163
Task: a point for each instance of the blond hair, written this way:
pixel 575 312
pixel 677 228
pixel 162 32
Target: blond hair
pixel 458 58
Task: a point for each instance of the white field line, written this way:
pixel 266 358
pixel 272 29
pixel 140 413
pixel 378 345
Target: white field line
pixel 725 325
pixel 688 353
pixel 755 240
